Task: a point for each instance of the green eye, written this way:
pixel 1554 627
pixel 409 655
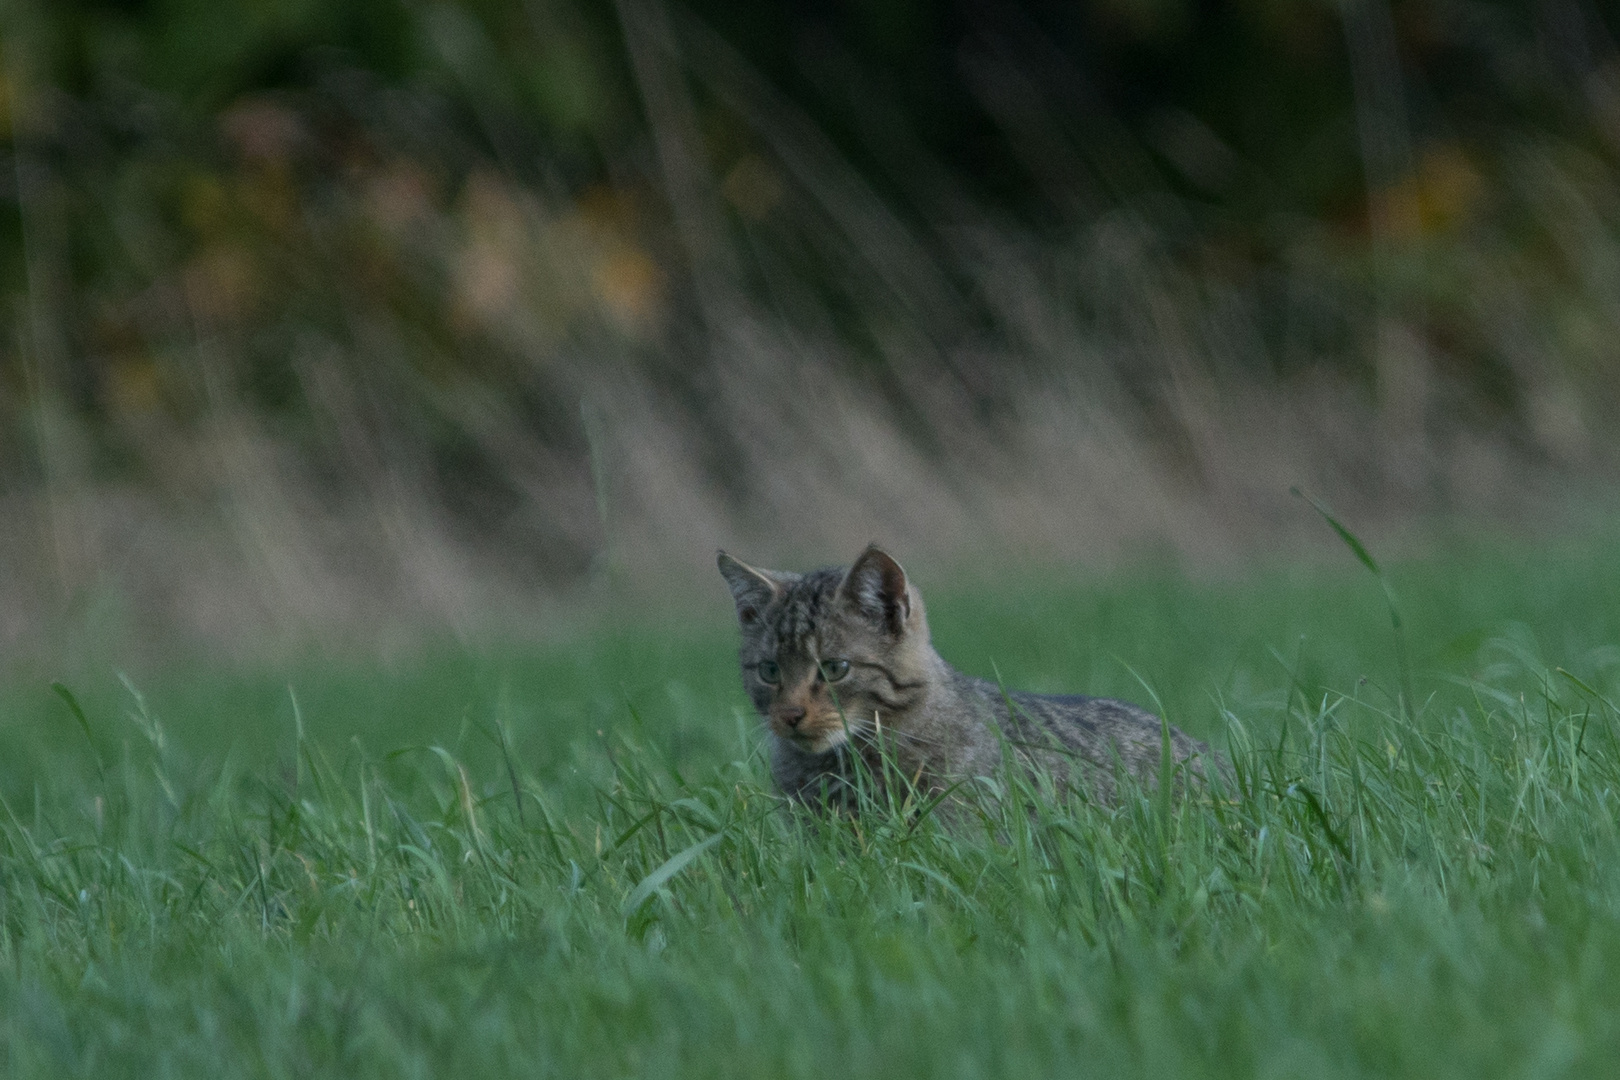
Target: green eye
pixel 769 673
pixel 834 670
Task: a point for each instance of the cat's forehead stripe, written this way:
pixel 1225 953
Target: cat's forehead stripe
pixel 803 605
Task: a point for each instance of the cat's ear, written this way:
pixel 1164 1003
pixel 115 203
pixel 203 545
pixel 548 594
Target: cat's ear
pixel 876 587
pixel 752 589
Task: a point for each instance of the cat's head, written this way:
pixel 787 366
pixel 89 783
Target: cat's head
pixel 831 653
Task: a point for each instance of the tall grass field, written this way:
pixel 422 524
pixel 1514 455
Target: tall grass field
pixel 567 860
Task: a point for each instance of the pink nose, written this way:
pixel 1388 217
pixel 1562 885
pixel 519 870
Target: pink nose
pixel 790 715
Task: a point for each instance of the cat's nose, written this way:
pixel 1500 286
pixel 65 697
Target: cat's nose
pixel 790 714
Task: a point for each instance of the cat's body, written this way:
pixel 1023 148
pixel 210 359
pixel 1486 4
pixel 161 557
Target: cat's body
pixel 840 665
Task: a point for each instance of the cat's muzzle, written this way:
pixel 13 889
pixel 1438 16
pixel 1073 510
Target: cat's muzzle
pixel 815 734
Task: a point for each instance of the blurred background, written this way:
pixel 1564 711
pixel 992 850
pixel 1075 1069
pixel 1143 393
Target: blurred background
pixel 353 321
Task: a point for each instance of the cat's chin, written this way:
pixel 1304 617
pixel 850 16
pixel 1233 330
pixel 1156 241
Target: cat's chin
pixel 822 742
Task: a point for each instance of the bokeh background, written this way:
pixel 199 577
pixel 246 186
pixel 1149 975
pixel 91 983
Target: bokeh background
pixel 353 321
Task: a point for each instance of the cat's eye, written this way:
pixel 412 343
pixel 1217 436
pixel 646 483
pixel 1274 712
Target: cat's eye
pixel 769 673
pixel 834 670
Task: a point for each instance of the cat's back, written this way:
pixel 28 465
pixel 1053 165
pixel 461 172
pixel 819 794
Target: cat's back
pixel 1098 730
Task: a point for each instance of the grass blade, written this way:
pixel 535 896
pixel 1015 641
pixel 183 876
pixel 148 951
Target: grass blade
pixel 659 877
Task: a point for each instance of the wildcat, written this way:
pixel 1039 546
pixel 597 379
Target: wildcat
pixel 839 663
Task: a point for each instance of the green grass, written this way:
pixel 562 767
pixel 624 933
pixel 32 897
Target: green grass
pixel 204 883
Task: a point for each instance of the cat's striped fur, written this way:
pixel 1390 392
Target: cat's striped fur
pixel 839 663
